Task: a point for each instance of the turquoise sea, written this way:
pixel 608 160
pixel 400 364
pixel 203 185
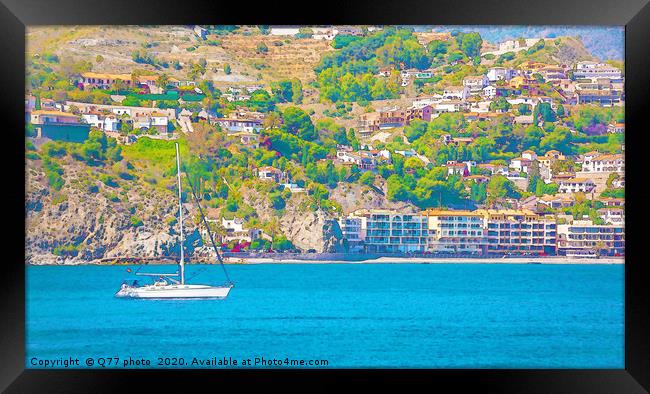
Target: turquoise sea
pixel 351 315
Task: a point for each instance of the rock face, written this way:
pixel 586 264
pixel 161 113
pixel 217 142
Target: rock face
pixel 333 238
pixel 355 196
pixel 75 225
pixel 303 229
pixel 302 226
pixel 95 226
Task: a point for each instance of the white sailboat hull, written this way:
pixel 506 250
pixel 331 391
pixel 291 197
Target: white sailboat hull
pixel 174 291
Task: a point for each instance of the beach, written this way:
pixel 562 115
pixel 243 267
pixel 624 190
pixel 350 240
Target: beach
pixel 434 260
pixel 339 259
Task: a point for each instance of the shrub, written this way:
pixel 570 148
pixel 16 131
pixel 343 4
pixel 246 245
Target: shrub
pixel 53 173
pixel 136 221
pixel 53 149
pixel 108 180
pixel 58 199
pixel 67 250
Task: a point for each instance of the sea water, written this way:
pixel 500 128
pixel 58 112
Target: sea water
pixel 336 316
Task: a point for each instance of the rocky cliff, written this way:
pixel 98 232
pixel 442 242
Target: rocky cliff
pixel 74 225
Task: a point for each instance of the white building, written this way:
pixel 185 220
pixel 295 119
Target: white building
pixel 500 73
pixel 489 92
pixel 510 45
pixel 456 93
pixel 347 157
pixel 94 119
pixel 575 185
pixel 238 125
pixel 284 30
pixel 612 215
pixel 393 232
pixel 529 154
pixel 450 106
pixel 616 128
pixel 160 122
pixel 455 231
pixel 522 100
pixel 603 163
pixel 111 123
pixel 585 239
pixel 494 169
pixel 421 102
pixel 353 229
pixel 142 123
pixel 521 164
pixel 593 70
pixel 455 168
pixel 269 173
pixel 293 187
pixel 475 83
pixel 235 231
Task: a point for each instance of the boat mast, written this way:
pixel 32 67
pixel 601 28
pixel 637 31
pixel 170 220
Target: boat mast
pixel 181 265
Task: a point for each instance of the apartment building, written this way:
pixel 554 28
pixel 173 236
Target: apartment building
pixel 593 70
pixel 575 185
pixel 584 238
pixel 519 232
pixel 479 232
pixel 475 83
pixel 353 229
pixel 603 163
pixel 455 231
pixel 384 231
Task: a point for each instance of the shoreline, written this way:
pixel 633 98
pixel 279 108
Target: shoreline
pixel 556 260
pixel 441 260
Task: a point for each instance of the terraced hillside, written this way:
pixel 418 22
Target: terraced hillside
pixel 285 58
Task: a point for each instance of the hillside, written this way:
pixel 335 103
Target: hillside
pixel 288 157
pixel 286 57
pixel 561 50
pixel 128 207
pixel 602 42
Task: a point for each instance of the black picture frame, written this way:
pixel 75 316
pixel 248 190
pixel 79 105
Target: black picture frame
pixel 633 14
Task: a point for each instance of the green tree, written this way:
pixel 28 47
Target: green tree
pixel 437 47
pixel 261 101
pixel 470 44
pixel 500 187
pixel 523 109
pixel 544 111
pixel 281 244
pixel 500 104
pixel 298 122
pixel 367 178
pixel 262 48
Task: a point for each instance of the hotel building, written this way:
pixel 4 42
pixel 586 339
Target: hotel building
pixel 519 232
pixel 353 229
pixel 455 231
pixel 480 232
pixel 384 231
pixel 584 238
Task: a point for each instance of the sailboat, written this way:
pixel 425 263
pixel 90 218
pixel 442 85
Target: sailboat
pixel 174 285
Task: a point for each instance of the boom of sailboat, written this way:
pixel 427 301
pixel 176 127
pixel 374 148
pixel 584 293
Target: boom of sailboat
pixel 173 285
